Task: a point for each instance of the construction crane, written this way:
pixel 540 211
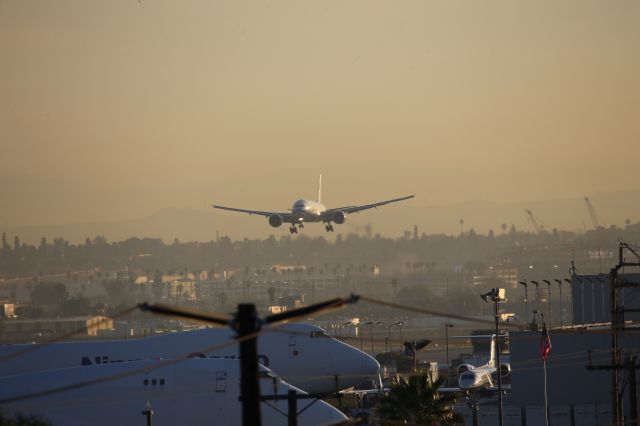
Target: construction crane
pixel 595 219
pixel 537 224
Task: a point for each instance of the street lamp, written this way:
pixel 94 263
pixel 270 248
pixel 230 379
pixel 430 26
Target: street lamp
pixel 340 329
pixel 549 300
pixel 526 300
pixel 496 295
pixel 537 284
pixel 371 334
pixel 399 324
pixel 561 308
pixel 360 332
pixel 447 325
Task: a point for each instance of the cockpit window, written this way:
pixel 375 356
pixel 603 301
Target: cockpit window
pixel 268 375
pixel 319 334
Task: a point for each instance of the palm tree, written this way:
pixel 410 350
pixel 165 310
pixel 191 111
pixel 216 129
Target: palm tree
pixel 417 400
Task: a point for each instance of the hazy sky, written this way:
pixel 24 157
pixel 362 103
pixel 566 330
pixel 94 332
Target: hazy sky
pixel 115 109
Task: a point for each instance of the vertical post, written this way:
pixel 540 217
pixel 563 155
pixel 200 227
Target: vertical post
pixel 526 302
pixel 371 338
pixel 249 385
pixel 560 308
pixel 496 302
pixel 615 402
pixel 148 413
pixel 633 392
pixel 293 409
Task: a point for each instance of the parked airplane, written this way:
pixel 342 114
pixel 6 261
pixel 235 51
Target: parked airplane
pixel 312 211
pixel 483 376
pixel 302 354
pixel 190 392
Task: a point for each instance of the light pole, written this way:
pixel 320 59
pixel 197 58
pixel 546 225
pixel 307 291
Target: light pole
pixel 526 300
pixel 340 329
pixel 371 334
pixel 561 308
pixel 537 284
pixel 399 324
pixel 549 300
pixel 496 296
pixel 447 325
pixel 360 331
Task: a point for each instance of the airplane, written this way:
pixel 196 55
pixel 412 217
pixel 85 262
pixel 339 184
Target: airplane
pixel 302 354
pixel 483 377
pixel 312 211
pixel 191 392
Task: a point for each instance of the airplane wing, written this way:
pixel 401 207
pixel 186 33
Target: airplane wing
pixel 356 209
pixel 505 387
pixel 286 217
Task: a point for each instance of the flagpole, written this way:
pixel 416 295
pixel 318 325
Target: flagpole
pixel 546 403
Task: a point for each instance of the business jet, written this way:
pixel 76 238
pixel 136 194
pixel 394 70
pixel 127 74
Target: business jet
pixel 302 354
pixel 190 392
pixel 472 378
pixel 312 211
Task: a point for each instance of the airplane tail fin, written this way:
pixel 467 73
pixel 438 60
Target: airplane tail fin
pixel 320 190
pixel 492 355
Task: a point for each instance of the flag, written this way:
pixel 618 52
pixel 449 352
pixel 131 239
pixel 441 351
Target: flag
pixel 545 343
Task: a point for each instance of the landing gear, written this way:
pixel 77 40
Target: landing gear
pixel 301 225
pixel 329 227
pixel 293 230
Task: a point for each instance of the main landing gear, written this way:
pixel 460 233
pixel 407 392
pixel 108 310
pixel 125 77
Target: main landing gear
pixel 329 227
pixel 293 228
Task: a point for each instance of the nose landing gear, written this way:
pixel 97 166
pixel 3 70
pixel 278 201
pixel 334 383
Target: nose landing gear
pixel 293 230
pixel 329 227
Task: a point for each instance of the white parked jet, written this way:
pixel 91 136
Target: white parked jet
pixel 483 376
pixel 302 354
pixel 194 392
pixel 312 211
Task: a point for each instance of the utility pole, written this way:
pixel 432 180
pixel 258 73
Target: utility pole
pixel 249 385
pixel 616 324
pixel 630 365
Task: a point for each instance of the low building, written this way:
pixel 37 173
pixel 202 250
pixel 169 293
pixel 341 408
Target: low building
pixel 82 326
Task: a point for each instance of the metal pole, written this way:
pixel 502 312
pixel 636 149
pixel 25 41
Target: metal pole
pixel 549 300
pixel 615 402
pixel 148 413
pixel 293 409
pixel 371 336
pixel 497 317
pixel 633 393
pixel 249 385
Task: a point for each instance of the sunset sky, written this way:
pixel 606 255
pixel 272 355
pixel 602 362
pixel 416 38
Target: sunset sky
pixel 113 110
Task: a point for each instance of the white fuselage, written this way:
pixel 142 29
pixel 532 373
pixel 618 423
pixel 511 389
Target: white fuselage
pixel 307 211
pixel 190 392
pixel 302 354
pixel 476 377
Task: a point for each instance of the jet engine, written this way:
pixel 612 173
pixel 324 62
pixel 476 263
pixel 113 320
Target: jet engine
pixel 505 370
pixel 463 368
pixel 339 217
pixel 275 220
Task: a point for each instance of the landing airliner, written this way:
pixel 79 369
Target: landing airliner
pixel 312 211
pixel 302 354
pixel 195 392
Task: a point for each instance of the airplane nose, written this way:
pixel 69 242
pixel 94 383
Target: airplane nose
pixel 320 413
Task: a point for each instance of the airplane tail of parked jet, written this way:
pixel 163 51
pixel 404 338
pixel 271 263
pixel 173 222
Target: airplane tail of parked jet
pixel 320 190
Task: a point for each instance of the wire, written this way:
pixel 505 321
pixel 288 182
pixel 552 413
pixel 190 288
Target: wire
pixel 112 377
pixel 63 337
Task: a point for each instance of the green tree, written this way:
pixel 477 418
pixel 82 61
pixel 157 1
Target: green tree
pixel 417 400
pixel 23 420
